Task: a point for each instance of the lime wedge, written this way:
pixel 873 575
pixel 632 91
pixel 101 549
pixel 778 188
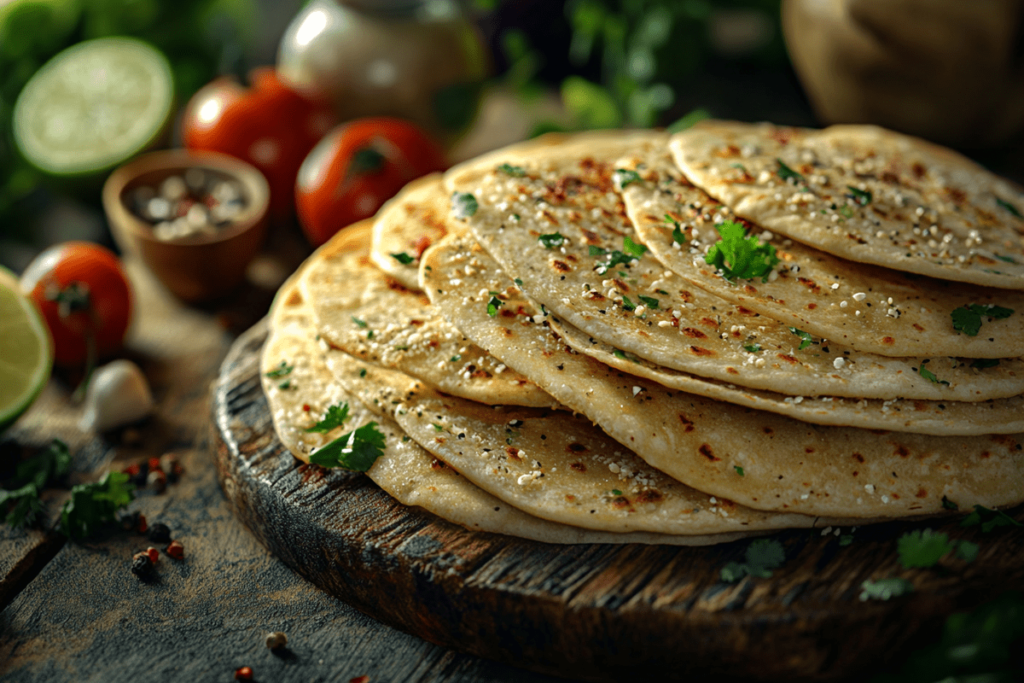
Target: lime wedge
pixel 93 106
pixel 26 352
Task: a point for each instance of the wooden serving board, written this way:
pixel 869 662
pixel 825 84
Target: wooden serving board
pixel 589 612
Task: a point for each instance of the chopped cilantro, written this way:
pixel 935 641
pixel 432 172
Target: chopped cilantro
pixel 762 556
pixel 752 348
pixel 362 372
pixel 883 589
pixel 93 505
pixel 923 548
pixel 862 197
pixel 739 166
pixel 358 322
pixel 845 211
pixel 51 463
pixel 649 301
pixel 623 177
pixel 988 519
pixel 455 358
pixel 967 551
pixel 357 450
pixel 437 427
pixel 1009 207
pixel 785 172
pixel 633 248
pixel 514 171
pixel 930 376
pixel 947 504
pixel 597 251
pixel 616 492
pixel 22 505
pixel 678 236
pixel 967 319
pixel 738 256
pixel 280 371
pixel 806 338
pixel 1005 259
pixel 983 363
pixel 627 304
pixel 493 305
pixel 555 239
pixel 369 335
pixel 287 384
pixel 464 204
pixel 845 540
pixel 739 470
pixel 403 258
pixel 519 283
pixel 333 418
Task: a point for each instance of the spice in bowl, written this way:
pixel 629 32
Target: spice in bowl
pixel 200 201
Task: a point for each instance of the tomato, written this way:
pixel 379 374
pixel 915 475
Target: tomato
pixel 82 292
pixel 358 167
pixel 268 125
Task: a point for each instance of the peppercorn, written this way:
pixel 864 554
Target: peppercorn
pixel 128 520
pixel 243 673
pixel 142 566
pixel 153 554
pixel 154 464
pixel 276 640
pixel 142 524
pixel 176 550
pixel 157 479
pixel 159 532
pixel 171 467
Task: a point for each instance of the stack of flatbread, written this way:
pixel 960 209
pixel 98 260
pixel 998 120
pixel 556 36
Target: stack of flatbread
pixel 637 337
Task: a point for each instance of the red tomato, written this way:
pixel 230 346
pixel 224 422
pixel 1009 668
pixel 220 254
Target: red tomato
pixel 358 167
pixel 269 125
pixel 82 291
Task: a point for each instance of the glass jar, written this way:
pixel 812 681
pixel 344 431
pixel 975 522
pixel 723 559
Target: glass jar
pixel 422 60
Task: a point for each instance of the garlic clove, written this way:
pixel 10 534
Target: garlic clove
pixel 118 395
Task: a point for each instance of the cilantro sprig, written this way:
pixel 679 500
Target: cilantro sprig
pixel 989 519
pixel 493 305
pixel 280 371
pixel 357 450
pixel 464 205
pixel 806 338
pixel 93 505
pixel 1009 207
pixel 740 257
pixel 862 197
pixel 20 504
pixel 623 177
pixel 929 375
pixel 334 417
pixel 925 548
pixel 631 251
pixel 762 556
pixel 967 319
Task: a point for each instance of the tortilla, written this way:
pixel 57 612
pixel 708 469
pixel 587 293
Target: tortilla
pixel 359 309
pixel 756 458
pixel 567 196
pixel 913 206
pixel 405 470
pixel 409 223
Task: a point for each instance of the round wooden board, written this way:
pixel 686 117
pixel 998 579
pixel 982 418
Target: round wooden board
pixel 589 612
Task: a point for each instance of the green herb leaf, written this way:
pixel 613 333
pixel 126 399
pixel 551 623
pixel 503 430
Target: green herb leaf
pixel 967 319
pixel 362 372
pixel 93 505
pixel 688 120
pixel 883 589
pixel 369 335
pixel 287 384
pixel 623 177
pixel 923 548
pixel 597 251
pixel 739 470
pixel 845 211
pixel 437 427
pixel 555 239
pixel 22 505
pixel 627 304
pixel 785 172
pixel 1005 259
pixel 633 248
pixel 514 171
pixel 519 282
pixel 357 450
pixel 358 322
pixel 493 305
pixel 649 301
pixel 616 492
pixel 967 551
pixel 930 376
pixel 403 258
pixel 752 348
pixel 862 197
pixel 678 236
pixel 1009 207
pixel 806 338
pixel 334 418
pixel 989 519
pixel 983 363
pixel 762 556
pixel 947 504
pixel 464 205
pixel 740 257
pixel 456 358
pixel 53 462
pixel 845 540
pixel 280 371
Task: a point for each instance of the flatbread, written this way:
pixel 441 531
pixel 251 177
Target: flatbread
pixel 756 458
pixel 930 210
pixel 549 463
pixel 409 223
pixel 372 316
pixel 405 470
pixel 567 192
pixel 863 307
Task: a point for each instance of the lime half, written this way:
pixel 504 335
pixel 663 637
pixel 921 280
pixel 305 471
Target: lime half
pixel 26 352
pixel 93 106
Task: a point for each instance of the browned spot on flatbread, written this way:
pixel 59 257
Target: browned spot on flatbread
pixel 513 452
pixel 888 341
pixel 687 424
pixel 560 266
pixel 709 322
pixel 858 457
pixel 985 455
pixel 920 406
pixel 620 502
pixel 921 493
pixel 294 298
pixel 578 467
pixel 732 371
pixel 706 451
pixel 436 464
pixel 649 496
pixel 576 447
pixel 918 327
pixel 694 333
pixel 768 430
pixel 902 451
pixel 700 351
pixel 786 357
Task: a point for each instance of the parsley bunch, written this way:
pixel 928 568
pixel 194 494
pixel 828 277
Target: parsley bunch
pixel 93 505
pixel 740 257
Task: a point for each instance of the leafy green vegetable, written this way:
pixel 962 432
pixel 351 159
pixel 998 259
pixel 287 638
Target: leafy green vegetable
pixel 988 519
pixel 334 418
pixel 649 301
pixel 51 463
pixel 883 589
pixel 514 171
pixel 738 256
pixel 785 172
pixel 555 239
pixel 924 548
pixel 862 197
pixel 1009 207
pixel 930 376
pixel 464 204
pixel 967 319
pixel 845 540
pixel 22 505
pixel 493 305
pixel 762 556
pixel 93 505
pixel 403 258
pixel 806 338
pixel 356 450
pixel 280 371
pixel 623 177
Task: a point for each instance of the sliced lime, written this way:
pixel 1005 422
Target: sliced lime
pixel 26 352
pixel 93 106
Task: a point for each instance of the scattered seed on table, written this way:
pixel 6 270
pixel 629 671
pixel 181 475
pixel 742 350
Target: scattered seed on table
pixel 142 566
pixel 158 480
pixel 153 554
pixel 159 533
pixel 176 550
pixel 276 640
pixel 243 673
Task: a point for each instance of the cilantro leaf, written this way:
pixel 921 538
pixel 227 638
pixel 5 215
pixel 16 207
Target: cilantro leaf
pixel 514 171
pixel 555 239
pixel 930 376
pixel 335 417
pixel 862 197
pixel 947 504
pixel 806 338
pixel 627 304
pixel 597 251
pixel 785 172
pixel 493 305
pixel 762 556
pixel 456 358
pixel 649 301
pixel 883 589
pixel 464 204
pixel 633 248
pixel 53 462
pixel 923 548
pixel 1009 207
pixel 22 505
pixel 967 551
pixel 752 348
pixel 280 371
pixel 403 258
pixel 356 450
pixel 622 177
pixel 988 519
pixel 983 363
pixel 1005 259
pixel 845 211
pixel 93 505
pixel 845 540
pixel 678 236
pixel 738 256
pixel 739 470
pixel 967 319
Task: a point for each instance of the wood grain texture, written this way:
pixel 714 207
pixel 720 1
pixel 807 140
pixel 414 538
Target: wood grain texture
pixel 591 612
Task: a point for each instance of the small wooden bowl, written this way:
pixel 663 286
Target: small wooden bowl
pixel 198 267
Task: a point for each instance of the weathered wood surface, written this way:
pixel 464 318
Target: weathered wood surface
pixel 591 612
pixel 74 612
